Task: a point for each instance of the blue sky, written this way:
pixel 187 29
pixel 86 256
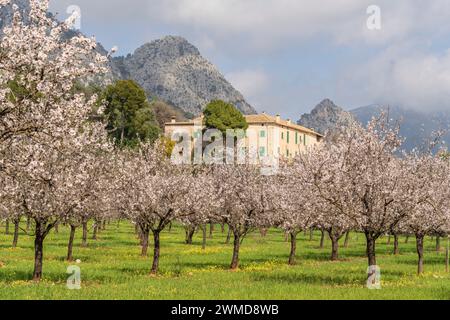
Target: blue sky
pixel 285 56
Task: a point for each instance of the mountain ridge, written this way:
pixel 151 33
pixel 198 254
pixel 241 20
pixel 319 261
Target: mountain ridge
pixel 416 127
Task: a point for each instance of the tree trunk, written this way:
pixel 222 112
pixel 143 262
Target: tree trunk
pixel 145 233
pixel 16 232
pixel 322 239
pixel 438 244
pixel 347 239
pixel 263 232
pixel 334 248
pixel 228 236
pixel 156 251
pixel 236 247
pixel 85 235
pixel 419 246
pixel 140 234
pixel 389 240
pixel 447 257
pixel 222 228
pixel 38 251
pixel 311 234
pixel 292 255
pixel 170 227
pixel 190 231
pixel 211 230
pixel 371 253
pixel 28 224
pixel 94 233
pixel 396 247
pixel 204 237
pixel 407 239
pixel 56 228
pixel 7 227
pixel 104 225
pixel 70 245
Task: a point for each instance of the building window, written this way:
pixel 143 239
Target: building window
pixel 262 134
pixel 287 136
pixel 296 138
pixel 282 135
pixel 304 139
pixel 262 151
pixel 287 153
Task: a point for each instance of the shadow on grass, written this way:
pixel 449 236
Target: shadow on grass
pixel 206 265
pixel 28 275
pixel 330 280
pixel 428 259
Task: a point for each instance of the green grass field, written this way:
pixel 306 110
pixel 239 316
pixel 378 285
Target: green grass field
pixel 111 268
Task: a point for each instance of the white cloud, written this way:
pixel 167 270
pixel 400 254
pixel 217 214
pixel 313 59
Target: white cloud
pixel 250 83
pixel 269 23
pixel 405 77
pixel 405 66
pixel 255 85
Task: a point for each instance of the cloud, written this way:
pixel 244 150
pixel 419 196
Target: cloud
pixel 405 63
pixel 273 23
pixel 249 82
pixel 253 84
pixel 263 23
pixel 402 76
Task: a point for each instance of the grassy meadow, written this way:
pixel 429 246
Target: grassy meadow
pixel 111 268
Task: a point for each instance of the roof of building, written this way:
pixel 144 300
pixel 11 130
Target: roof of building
pixel 262 118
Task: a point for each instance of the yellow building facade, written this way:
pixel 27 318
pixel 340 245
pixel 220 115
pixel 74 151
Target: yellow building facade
pixel 270 136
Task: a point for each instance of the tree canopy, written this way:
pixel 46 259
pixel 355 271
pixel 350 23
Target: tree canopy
pixel 222 116
pixel 129 114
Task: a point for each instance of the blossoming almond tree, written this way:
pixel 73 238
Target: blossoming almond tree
pixel 99 190
pixel 328 198
pixel 48 144
pixel 55 183
pixel 431 215
pixel 294 203
pixel 153 193
pixel 244 202
pixel 370 173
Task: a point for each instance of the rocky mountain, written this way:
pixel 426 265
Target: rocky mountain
pixel 174 70
pixel 171 69
pixel 325 116
pixel 415 127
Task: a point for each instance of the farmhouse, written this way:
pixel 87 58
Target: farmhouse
pixel 270 135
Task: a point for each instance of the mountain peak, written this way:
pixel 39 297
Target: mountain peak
pixel 327 104
pixel 325 116
pixel 174 70
pixel 170 47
